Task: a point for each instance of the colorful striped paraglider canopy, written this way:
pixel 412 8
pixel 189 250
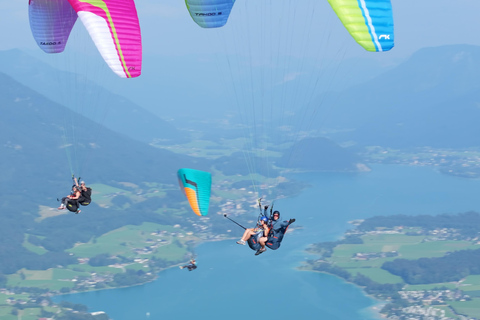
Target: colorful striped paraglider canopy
pixel 369 22
pixel 112 24
pixel 196 185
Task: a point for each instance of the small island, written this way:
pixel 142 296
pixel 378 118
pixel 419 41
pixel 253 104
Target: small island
pixel 423 267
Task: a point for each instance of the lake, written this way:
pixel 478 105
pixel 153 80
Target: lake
pixel 232 283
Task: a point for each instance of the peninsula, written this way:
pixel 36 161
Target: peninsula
pixel 423 267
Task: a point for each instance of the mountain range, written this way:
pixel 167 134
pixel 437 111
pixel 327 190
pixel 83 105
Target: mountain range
pixel 91 99
pixel 430 99
pixel 32 129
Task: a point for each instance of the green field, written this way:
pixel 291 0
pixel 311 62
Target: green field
pixel 29 314
pixel 86 268
pixel 61 274
pixel 471 283
pixel 25 314
pixel 433 249
pixel 171 252
pixel 53 279
pixel 469 308
pixel 213 150
pixel 343 254
pixel 5 313
pixel 204 148
pixel 33 248
pixel 124 241
pixel 407 247
pixel 103 194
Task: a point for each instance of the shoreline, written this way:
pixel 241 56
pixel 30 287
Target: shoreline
pixel 157 273
pixel 373 308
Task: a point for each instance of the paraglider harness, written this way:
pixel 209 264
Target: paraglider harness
pixel 274 238
pixel 86 196
pixel 73 205
pixel 192 265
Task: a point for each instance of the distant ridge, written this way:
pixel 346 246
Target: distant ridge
pixel 123 115
pixel 31 153
pixel 429 100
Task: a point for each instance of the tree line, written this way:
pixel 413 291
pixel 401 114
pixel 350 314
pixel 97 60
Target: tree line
pixel 452 267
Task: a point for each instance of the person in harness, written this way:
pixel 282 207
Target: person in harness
pixel 258 242
pixel 268 233
pixel 254 234
pixel 192 265
pixel 278 229
pixel 71 201
pixel 86 193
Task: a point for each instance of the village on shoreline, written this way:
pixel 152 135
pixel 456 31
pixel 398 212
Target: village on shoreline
pixel 368 254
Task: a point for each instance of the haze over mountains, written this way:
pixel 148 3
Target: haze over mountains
pixel 429 100
pixel 82 95
pixel 31 130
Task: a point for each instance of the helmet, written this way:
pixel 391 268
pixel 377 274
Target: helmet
pixel 264 219
pixel 276 212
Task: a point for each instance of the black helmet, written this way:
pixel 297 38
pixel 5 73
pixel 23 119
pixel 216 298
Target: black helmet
pixel 276 212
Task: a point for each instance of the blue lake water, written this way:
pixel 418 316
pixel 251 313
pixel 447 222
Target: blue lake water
pixel 232 283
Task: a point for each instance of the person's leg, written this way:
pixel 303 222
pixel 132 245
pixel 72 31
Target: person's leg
pixel 262 242
pixel 246 235
pixel 63 203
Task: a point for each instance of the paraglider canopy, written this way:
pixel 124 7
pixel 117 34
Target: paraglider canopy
pixel 196 185
pixel 210 13
pixel 113 26
pixel 369 22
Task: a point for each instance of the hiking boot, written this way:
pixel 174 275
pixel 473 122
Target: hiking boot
pixel 61 208
pixel 78 211
pixel 242 242
pixel 259 251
